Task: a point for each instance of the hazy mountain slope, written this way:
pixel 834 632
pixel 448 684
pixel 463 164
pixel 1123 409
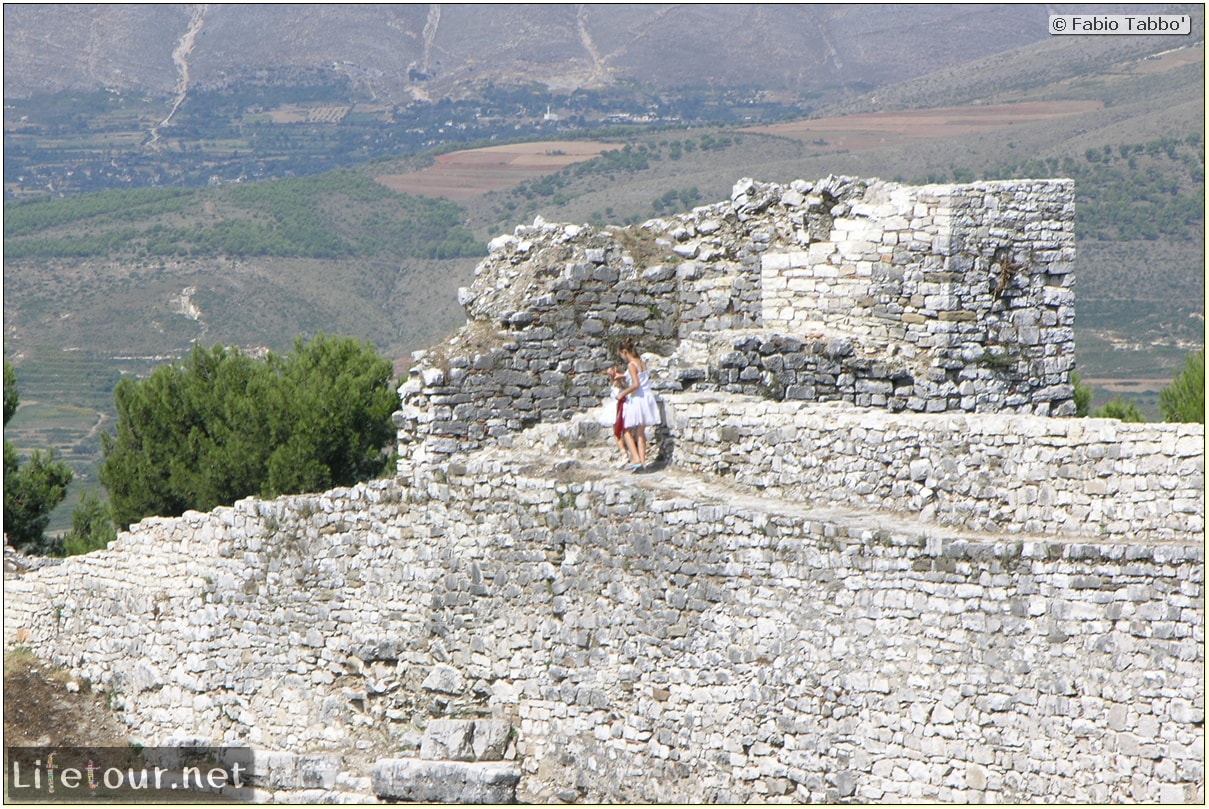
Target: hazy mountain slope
pixel 48 48
pixel 394 51
pixel 1042 68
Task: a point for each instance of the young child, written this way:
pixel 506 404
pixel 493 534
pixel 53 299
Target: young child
pixel 620 433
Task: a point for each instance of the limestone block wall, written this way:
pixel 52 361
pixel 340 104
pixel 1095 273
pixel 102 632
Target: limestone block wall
pixel 718 295
pixel 783 367
pixel 719 249
pixel 648 643
pixel 947 298
pixel 998 473
pixel 972 283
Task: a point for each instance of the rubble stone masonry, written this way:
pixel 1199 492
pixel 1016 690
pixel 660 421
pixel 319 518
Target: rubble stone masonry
pixel 648 639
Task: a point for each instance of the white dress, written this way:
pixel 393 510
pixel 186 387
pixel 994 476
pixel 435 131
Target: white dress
pixel 641 407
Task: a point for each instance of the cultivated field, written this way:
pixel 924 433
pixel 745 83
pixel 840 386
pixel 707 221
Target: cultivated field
pixel 878 129
pixel 470 173
pixel 310 114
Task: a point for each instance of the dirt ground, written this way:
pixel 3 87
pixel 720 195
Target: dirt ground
pixel 41 710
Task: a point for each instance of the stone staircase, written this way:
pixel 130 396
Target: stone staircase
pixel 461 761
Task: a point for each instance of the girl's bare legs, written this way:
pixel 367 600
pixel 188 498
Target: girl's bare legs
pixel 640 432
pixel 628 435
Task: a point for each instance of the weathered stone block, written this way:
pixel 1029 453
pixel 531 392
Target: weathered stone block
pixel 632 314
pixel 445 680
pixel 446 782
pixel 491 738
pixel 448 739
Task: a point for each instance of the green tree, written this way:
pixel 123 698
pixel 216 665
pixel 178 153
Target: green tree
pixel 31 490
pixel 186 437
pixel 223 425
pixel 11 397
pixel 1184 398
pixel 91 526
pixel 1083 394
pixel 334 419
pixel 1121 410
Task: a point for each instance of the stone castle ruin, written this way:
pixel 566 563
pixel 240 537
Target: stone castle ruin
pixel 878 563
pixel 927 299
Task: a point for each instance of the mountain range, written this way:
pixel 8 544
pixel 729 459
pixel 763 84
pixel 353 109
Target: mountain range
pixel 397 52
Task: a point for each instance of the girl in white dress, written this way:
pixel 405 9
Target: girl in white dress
pixel 641 410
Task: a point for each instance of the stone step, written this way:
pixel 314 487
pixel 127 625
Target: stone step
pixel 461 761
pixel 313 797
pixel 420 781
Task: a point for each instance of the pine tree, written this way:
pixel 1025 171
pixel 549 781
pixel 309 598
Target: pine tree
pixel 1121 410
pixel 223 425
pixel 32 490
pixel 1184 399
pixel 91 526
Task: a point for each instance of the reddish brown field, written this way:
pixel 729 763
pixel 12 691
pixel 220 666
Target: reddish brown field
pixel 871 130
pixel 467 174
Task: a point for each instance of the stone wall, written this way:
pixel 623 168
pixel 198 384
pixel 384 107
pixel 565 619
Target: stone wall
pixel 974 279
pixel 851 584
pixel 812 369
pixel 1005 473
pixel 936 298
pixel 670 639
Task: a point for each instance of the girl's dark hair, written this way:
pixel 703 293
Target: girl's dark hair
pixel 627 345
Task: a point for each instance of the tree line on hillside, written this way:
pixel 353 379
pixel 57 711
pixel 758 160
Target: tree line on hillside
pixel 44 213
pixel 627 159
pixel 341 214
